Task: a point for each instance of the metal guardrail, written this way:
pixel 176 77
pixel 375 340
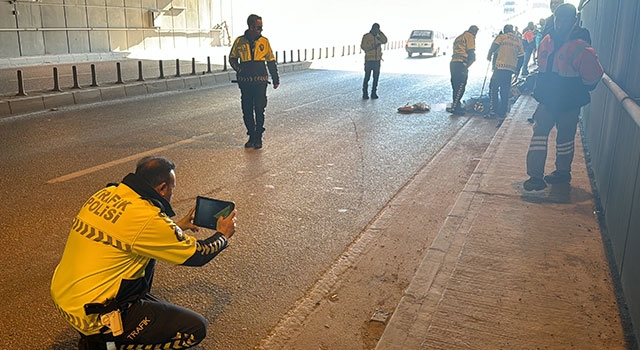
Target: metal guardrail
pixel 322 52
pixel 628 103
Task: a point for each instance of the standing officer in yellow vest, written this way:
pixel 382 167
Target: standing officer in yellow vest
pixel 508 53
pixel 248 56
pixel 464 54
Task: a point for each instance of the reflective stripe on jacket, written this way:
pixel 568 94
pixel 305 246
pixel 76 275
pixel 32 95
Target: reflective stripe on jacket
pixel 566 74
pixel 508 51
pixel 252 56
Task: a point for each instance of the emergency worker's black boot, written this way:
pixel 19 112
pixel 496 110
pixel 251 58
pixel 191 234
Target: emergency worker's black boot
pixel 374 95
pixel 558 177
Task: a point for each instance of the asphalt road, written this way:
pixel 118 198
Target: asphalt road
pixel 330 162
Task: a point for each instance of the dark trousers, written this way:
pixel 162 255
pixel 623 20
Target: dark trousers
pixel 459 76
pixel 151 321
pixel 371 67
pixel 500 84
pixel 254 102
pixel 544 120
pixel 527 57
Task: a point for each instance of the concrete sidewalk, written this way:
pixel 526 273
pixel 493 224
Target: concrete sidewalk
pixel 511 269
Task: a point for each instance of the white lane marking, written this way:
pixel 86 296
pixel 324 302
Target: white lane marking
pixel 125 159
pixel 310 103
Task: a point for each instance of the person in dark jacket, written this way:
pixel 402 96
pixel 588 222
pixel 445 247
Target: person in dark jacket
pixel 371 44
pixel 248 56
pixel 568 70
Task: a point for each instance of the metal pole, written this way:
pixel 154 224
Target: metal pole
pixel 94 79
pixel 119 72
pixel 177 67
pixel 56 80
pixel 208 64
pixel 160 65
pixel 74 71
pixel 224 64
pixel 20 85
pixel 140 78
pixel 193 66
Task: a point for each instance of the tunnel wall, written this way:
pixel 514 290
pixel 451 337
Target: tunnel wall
pixel 611 135
pixel 58 27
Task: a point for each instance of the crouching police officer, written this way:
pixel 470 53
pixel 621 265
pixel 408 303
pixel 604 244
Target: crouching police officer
pixel 102 283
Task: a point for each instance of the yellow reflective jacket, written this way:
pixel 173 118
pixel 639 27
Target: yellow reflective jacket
pixel 464 49
pixel 113 239
pixel 248 59
pixel 508 48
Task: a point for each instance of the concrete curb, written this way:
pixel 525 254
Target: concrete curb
pixel 415 309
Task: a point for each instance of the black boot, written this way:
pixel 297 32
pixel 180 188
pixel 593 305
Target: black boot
pixel 251 142
pixel 257 142
pixel 374 95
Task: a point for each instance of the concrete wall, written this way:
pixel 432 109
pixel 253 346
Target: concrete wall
pixel 59 27
pixel 612 137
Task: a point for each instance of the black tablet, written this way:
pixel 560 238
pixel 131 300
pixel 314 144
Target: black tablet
pixel 208 210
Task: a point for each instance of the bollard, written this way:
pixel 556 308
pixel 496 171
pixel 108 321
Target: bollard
pixel 298 55
pixel 305 54
pixel 326 52
pixel 140 78
pixel 224 64
pixel 313 52
pixel 349 50
pixel 56 80
pixel 119 73
pixel 161 70
pixel 284 56
pixel 208 64
pixel 74 71
pixel 20 85
pixel 333 51
pixel 193 66
pixel 276 56
pixel 177 67
pixel 291 56
pixel 94 78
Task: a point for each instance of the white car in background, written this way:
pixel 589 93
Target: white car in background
pixel 430 42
